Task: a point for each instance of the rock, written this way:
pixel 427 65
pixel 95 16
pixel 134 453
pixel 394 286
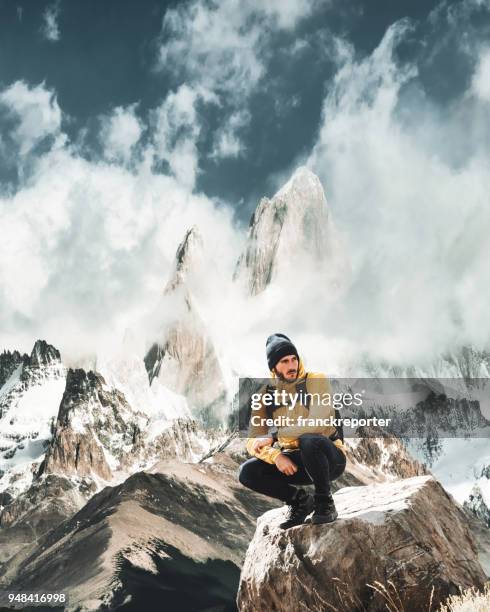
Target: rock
pixel 294 228
pixel 187 260
pixel 409 532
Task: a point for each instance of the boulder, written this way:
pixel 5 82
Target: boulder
pixel 406 540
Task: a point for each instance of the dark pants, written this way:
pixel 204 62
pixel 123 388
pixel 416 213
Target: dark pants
pixel 319 462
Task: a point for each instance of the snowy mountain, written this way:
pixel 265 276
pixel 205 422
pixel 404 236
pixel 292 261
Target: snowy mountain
pixel 172 523
pixel 290 232
pixel 99 434
pixel 478 502
pixel 29 400
pixel 66 435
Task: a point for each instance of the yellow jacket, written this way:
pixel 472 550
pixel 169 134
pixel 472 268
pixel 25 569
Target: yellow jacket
pixel 287 437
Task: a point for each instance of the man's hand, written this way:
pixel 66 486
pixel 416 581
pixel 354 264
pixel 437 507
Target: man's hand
pixel 285 465
pixel 258 443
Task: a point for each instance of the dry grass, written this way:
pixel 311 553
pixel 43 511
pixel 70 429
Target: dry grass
pixel 390 595
pixel 470 600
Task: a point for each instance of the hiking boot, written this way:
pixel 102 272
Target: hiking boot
pixel 325 511
pixel 301 505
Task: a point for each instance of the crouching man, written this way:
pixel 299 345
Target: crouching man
pixel 305 455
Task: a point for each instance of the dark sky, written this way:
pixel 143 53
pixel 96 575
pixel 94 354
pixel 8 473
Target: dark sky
pixel 105 57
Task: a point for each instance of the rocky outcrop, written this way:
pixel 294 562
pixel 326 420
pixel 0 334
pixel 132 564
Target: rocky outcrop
pixel 44 363
pixel 287 232
pixel 417 407
pixel 407 539
pixel 441 416
pixel 172 538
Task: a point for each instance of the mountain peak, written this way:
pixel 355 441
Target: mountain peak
pixel 292 228
pixel 188 254
pixel 44 354
pixel 187 250
pixel 302 180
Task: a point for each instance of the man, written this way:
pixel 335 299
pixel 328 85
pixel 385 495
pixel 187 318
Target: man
pixel 306 455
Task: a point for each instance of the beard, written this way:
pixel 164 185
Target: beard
pixel 289 376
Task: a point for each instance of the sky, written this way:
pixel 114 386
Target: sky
pixel 124 123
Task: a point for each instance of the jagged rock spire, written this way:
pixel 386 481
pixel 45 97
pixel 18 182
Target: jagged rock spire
pixel 183 358
pixel 294 225
pixel 187 258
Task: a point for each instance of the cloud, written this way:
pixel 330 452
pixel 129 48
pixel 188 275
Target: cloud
pixel 223 48
pixel 481 77
pixel 35 113
pixel 226 140
pixel 286 13
pixel 120 133
pixel 50 28
pixel 412 206
pixel 176 130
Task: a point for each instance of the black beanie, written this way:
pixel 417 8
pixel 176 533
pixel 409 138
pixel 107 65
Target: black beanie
pixel 277 347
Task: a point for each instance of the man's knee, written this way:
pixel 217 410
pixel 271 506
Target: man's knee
pixel 309 442
pixel 247 472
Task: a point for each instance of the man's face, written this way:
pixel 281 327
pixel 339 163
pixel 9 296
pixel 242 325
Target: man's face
pixel 287 367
